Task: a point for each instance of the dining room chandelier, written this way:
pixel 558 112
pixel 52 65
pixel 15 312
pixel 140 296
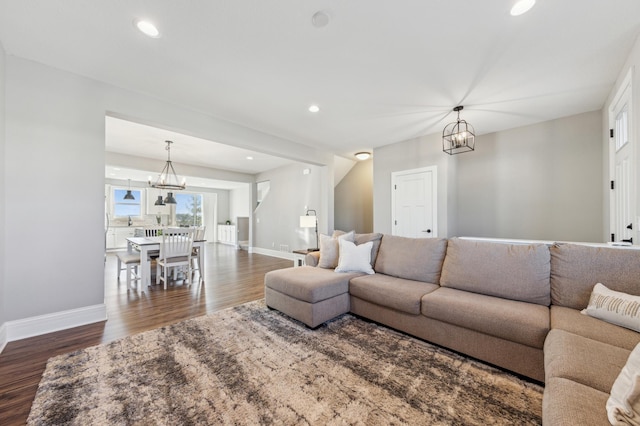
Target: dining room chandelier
pixel 459 136
pixel 168 179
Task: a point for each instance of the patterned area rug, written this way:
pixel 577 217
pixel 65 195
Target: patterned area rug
pixel 250 365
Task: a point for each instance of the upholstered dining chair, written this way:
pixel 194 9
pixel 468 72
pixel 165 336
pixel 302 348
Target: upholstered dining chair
pixel 198 235
pixel 131 262
pixel 152 231
pixel 175 251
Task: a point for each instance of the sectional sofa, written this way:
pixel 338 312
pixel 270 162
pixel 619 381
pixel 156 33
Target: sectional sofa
pixel 516 306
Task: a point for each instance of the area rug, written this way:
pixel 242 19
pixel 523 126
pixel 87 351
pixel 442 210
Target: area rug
pixel 252 365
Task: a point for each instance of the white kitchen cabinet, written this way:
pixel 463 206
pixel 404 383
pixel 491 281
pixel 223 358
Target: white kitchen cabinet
pixel 121 235
pixel 111 239
pixel 227 234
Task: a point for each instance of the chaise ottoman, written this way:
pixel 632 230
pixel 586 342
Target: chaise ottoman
pixel 309 294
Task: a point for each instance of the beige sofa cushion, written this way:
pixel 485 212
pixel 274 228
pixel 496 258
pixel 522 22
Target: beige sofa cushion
pixel 510 271
pixel 308 283
pixel 568 403
pixel 391 292
pixel 520 322
pixel 418 259
pixel 573 321
pixel 575 269
pixel 592 363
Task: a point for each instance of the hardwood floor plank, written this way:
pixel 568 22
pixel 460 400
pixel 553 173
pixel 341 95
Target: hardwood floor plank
pixel 232 277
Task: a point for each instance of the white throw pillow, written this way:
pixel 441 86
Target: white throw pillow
pixel 355 258
pixel 615 307
pixel 329 249
pixel 623 405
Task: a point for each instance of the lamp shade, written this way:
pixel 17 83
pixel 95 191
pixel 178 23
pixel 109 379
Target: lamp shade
pixel 159 201
pixel 169 199
pixel 307 221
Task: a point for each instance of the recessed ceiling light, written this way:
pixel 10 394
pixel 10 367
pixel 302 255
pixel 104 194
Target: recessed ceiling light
pixel 363 155
pixel 314 108
pixel 249 157
pixel 521 7
pixel 147 28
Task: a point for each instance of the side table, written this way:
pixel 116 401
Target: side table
pixel 298 257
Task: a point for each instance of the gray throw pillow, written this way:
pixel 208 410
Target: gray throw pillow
pixel 329 249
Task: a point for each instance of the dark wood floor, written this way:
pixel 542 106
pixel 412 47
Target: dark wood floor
pixel 232 277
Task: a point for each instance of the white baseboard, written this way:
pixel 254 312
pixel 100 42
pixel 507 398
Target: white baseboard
pixel 43 324
pixel 3 336
pixel 272 253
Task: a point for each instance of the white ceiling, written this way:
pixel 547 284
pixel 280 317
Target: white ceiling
pixel 381 71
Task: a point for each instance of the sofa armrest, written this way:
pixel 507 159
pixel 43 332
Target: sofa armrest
pixel 312 259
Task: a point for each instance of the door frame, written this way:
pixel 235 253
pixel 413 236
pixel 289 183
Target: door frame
pixel 624 92
pixel 434 192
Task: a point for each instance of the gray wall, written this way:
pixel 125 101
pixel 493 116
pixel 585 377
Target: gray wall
pixel 2 190
pixel 542 181
pixel 276 221
pixel 353 199
pixel 536 182
pixel 55 130
pixel 415 153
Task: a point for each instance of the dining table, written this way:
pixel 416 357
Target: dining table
pixel 147 246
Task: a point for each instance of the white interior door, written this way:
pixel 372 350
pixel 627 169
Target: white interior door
pixel 414 209
pixel 622 167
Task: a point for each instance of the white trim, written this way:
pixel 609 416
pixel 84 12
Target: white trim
pixel 272 253
pixel 43 324
pixel 624 94
pixel 3 336
pixel 434 192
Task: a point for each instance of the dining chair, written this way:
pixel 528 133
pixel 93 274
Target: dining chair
pixel 131 262
pixel 152 231
pixel 198 235
pixel 175 251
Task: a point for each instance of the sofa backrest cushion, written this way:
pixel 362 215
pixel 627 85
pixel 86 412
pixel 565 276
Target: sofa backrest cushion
pixel 576 269
pixel 418 259
pixel 511 271
pixel 375 238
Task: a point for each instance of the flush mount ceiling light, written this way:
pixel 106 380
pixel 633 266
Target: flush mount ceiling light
pixel 314 108
pixel 362 155
pixel 147 28
pixel 522 6
pixel 168 179
pixel 459 136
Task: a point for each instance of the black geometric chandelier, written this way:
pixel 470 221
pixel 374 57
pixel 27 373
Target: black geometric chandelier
pixel 459 136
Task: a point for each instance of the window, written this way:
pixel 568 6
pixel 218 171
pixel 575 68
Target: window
pixel 125 208
pixel 188 209
pixel 622 127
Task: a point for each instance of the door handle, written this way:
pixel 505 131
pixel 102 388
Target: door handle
pixel 428 231
pixel 630 241
pixel 630 226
